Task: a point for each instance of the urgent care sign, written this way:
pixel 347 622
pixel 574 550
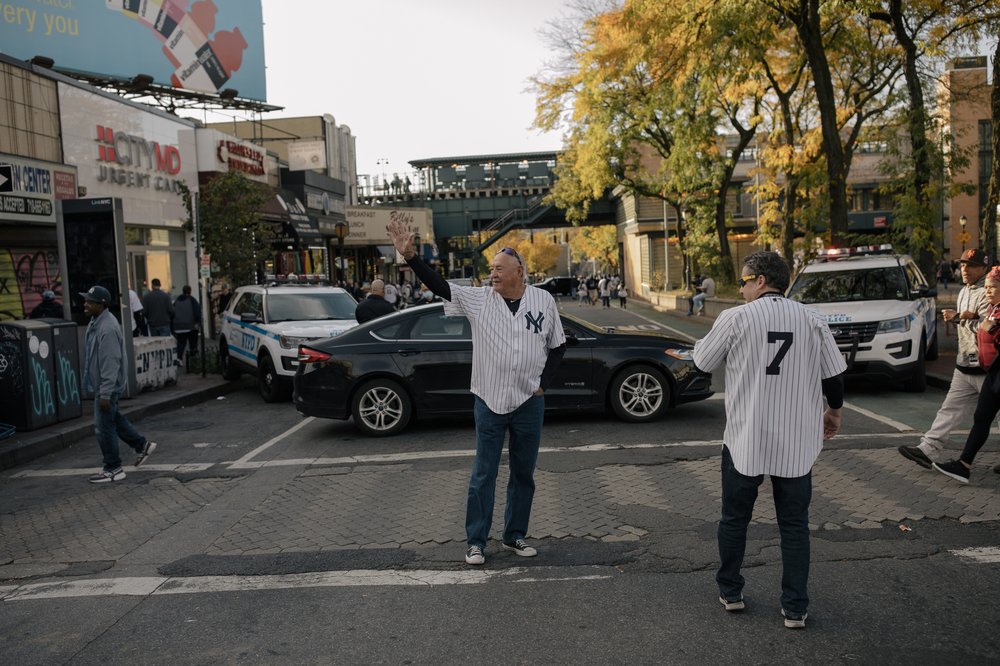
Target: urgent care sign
pixel 124 150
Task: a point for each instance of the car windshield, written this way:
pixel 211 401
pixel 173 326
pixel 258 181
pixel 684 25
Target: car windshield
pixel 309 307
pixel 875 284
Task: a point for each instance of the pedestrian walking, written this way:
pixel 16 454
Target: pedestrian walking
pixel 159 310
pixel 391 294
pixel 375 305
pixel 138 318
pixel 988 404
pixel 48 308
pixel 104 370
pixel 592 289
pixel 517 345
pixel 622 295
pixel 968 376
pixel 187 317
pixel 944 272
pixel 604 289
pixel 581 292
pixel 781 359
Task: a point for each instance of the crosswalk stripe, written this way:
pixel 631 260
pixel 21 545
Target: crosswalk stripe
pixel 983 555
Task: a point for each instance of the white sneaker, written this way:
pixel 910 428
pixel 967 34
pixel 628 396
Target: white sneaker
pixel 521 548
pixel 108 477
pixel 474 555
pixel 147 450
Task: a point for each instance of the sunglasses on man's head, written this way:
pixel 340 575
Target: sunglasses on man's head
pixel 512 252
pixel 745 279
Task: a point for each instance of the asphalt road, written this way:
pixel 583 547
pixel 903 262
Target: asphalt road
pixel 257 536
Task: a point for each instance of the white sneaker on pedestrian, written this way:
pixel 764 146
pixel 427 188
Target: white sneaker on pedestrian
pixel 475 555
pixel 108 476
pixel 145 453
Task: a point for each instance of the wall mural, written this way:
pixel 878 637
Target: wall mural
pixel 24 275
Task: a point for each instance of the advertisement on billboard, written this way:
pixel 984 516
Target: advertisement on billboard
pixel 203 45
pixel 303 155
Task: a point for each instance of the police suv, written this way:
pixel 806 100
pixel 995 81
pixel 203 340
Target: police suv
pixel 263 326
pixel 880 310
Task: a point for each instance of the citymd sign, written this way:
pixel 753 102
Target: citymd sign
pixel 127 159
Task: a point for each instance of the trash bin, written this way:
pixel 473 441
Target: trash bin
pixel 27 374
pixel 67 363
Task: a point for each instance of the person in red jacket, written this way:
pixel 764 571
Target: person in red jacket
pixel 988 345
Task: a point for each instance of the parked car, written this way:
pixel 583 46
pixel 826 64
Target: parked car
pixel 263 326
pixel 418 363
pixel 880 310
pixel 559 286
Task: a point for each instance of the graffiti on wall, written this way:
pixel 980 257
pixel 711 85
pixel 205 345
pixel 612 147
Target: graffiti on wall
pixel 24 275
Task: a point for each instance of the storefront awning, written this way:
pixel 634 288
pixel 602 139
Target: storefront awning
pixel 388 252
pixel 305 229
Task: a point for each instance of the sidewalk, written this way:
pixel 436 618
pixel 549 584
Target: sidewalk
pixel 190 389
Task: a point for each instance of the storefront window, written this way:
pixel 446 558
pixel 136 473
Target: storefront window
pixel 156 253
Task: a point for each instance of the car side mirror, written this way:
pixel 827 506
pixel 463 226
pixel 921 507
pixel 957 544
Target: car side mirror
pixel 570 337
pixel 250 318
pixel 925 292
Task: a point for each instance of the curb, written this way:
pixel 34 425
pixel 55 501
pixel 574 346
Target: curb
pixel 35 445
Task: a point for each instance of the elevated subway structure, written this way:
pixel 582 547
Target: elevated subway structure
pixel 477 199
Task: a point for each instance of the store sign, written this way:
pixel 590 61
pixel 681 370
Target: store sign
pixel 219 153
pixel 29 189
pixel 133 161
pixel 367 224
pixel 324 202
pixel 304 155
pixel 125 150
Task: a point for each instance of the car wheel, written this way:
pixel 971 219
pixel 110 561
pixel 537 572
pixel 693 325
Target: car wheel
pixel 229 372
pixel 918 383
pixel 932 351
pixel 381 407
pixel 639 394
pixel 272 387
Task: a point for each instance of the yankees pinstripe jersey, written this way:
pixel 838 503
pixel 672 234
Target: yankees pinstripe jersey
pixel 508 350
pixel 777 352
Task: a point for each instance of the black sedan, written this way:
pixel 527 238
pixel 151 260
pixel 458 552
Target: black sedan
pixel 418 363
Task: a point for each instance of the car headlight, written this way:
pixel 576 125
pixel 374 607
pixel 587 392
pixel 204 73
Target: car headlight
pixel 292 341
pixel 901 325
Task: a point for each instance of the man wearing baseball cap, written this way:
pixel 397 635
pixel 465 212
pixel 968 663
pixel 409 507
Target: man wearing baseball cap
pixel 968 377
pixel 104 375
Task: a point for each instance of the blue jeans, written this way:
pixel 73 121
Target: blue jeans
pixel 159 331
pixel 791 504
pixel 525 427
pixel 111 425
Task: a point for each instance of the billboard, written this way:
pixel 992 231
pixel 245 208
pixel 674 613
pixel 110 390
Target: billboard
pixel 366 225
pixel 201 45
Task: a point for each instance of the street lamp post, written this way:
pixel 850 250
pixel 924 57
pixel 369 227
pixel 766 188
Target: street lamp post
pixel 383 162
pixel 340 230
pixel 962 221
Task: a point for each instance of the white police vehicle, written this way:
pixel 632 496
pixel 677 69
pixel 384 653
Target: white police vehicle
pixel 880 309
pixel 263 326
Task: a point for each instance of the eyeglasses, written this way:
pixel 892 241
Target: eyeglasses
pixel 512 252
pixel 745 279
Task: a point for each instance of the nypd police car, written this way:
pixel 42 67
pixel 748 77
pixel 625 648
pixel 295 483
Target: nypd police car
pixel 263 326
pixel 880 310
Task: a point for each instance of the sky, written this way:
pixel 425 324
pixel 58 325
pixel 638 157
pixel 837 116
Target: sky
pixel 412 78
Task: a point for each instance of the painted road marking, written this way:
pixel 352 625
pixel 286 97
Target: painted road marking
pixel 274 440
pixel 902 427
pixel 157 585
pixel 984 555
pixel 148 467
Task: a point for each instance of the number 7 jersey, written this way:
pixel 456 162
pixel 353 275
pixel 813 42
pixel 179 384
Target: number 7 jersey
pixel 777 352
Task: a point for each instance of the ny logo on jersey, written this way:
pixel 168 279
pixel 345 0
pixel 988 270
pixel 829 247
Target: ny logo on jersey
pixel 535 321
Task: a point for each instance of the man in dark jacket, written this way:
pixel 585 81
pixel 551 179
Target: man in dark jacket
pixel 48 307
pixel 159 310
pixel 375 305
pixel 187 316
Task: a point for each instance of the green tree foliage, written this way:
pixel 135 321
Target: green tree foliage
pixel 600 243
pixel 229 221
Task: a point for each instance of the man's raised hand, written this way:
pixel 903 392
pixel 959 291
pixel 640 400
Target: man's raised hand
pixel 401 237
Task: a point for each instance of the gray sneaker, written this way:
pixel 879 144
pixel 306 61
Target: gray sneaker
pixel 108 476
pixel 732 606
pixel 794 620
pixel 147 450
pixel 916 455
pixel 475 555
pixel 521 547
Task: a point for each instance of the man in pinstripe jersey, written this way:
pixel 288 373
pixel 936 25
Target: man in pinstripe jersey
pixel 517 345
pixel 781 359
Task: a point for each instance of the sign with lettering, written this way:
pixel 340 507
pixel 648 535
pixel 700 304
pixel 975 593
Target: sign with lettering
pixel 367 224
pixel 29 188
pixel 218 152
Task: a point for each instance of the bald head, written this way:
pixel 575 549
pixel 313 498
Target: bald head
pixel 378 287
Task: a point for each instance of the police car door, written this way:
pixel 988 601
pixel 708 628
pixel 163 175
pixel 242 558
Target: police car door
pixel 246 335
pixel 926 313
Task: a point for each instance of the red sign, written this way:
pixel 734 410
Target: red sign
pixel 65 184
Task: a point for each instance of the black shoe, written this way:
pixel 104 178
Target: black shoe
pixel 108 476
pixel 956 469
pixel 521 548
pixel 732 606
pixel 794 620
pixel 145 453
pixel 916 455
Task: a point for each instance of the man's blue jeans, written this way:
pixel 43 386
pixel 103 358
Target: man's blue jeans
pixel 525 427
pixel 791 504
pixel 111 425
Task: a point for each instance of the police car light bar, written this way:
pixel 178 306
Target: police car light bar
pixel 833 253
